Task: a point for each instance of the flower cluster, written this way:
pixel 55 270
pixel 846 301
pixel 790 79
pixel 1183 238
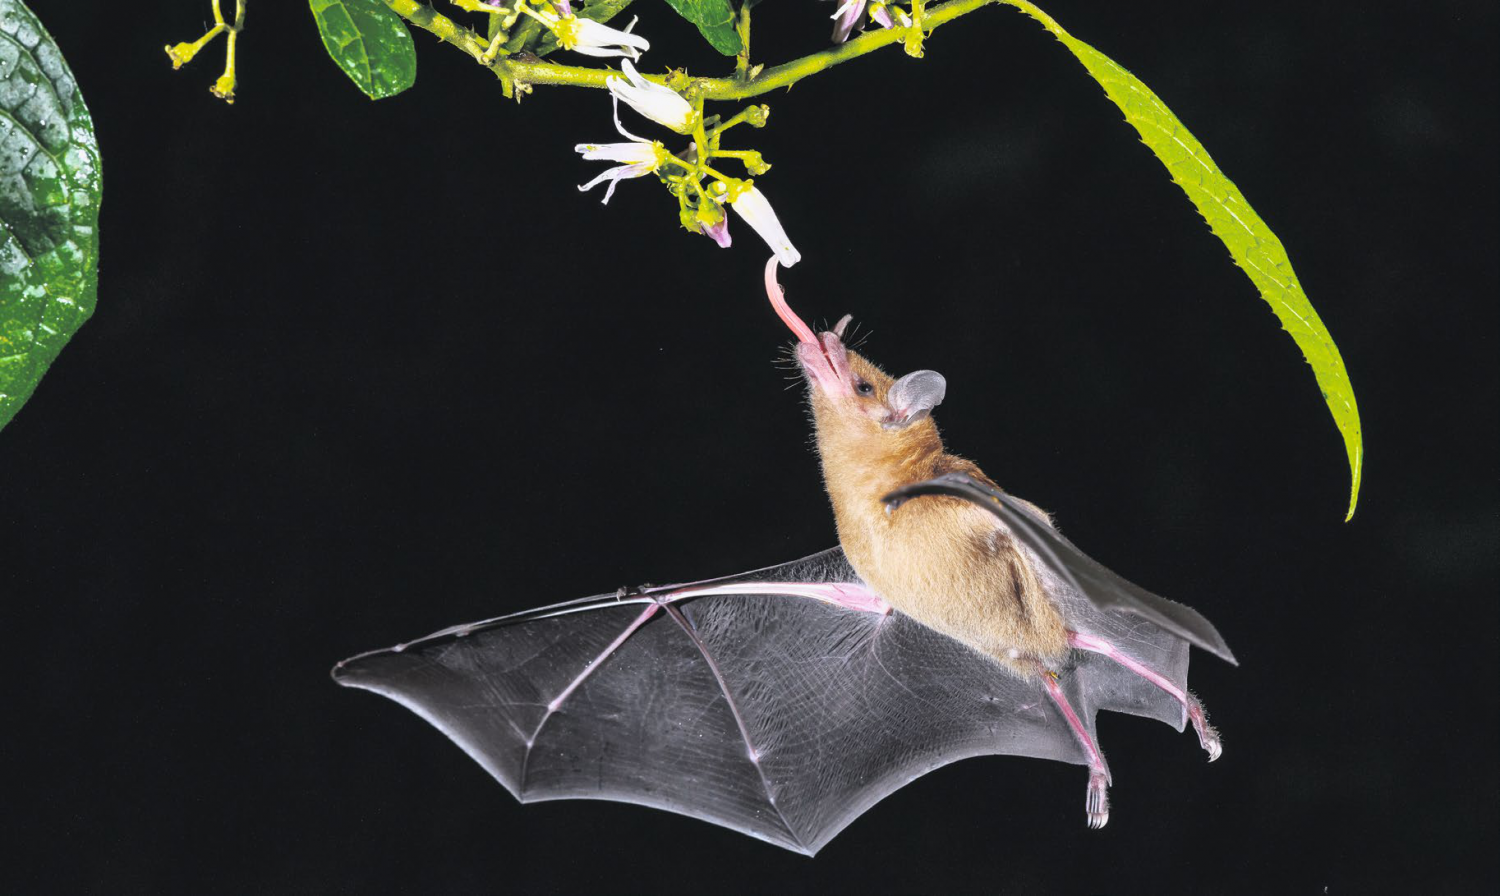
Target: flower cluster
pixel 641 157
pixel 701 208
pixel 702 192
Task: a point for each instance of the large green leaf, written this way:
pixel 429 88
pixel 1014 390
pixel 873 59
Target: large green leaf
pixel 715 20
pixel 369 42
pixel 1251 243
pixel 49 206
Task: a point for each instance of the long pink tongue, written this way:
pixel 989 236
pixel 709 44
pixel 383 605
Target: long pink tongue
pixel 778 301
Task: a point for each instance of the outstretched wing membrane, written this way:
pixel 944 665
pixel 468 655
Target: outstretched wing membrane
pixel 740 701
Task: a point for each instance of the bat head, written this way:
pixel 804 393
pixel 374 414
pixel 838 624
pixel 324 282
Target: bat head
pixel 845 384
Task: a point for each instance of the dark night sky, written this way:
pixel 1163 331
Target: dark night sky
pixel 365 370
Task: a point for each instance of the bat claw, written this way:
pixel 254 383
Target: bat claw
pixel 1096 804
pixel 1211 744
pixel 1208 736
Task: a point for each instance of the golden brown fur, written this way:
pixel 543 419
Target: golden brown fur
pixel 939 560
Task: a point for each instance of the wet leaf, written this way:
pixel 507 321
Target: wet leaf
pixel 49 206
pixel 715 21
pixel 369 42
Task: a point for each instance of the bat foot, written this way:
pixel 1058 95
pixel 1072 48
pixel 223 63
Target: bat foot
pixel 1096 803
pixel 1208 736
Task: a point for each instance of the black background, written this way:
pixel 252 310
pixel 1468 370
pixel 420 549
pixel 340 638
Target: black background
pixel 363 370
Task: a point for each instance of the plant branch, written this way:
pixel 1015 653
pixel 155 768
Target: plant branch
pixel 445 29
pixel 512 71
pixel 742 26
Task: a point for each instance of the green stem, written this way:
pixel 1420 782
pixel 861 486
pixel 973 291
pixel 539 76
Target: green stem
pixel 771 79
pixel 512 71
pixel 700 138
pixel 755 116
pixel 434 22
pixel 718 175
pixel 1045 20
pixel 742 61
pixel 183 53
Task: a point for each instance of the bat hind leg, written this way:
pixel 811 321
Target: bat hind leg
pixel 1096 800
pixel 1208 736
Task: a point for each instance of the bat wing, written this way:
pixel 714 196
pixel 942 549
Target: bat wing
pixel 1086 576
pixel 735 701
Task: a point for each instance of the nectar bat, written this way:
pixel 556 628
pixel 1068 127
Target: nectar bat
pixel 953 621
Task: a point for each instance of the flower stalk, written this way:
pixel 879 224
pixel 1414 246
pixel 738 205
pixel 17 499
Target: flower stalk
pixel 183 53
pixel 676 100
pixel 515 71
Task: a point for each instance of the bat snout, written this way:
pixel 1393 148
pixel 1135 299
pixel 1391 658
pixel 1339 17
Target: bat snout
pixel 826 363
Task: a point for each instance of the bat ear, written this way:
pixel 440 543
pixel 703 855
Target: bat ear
pixel 913 397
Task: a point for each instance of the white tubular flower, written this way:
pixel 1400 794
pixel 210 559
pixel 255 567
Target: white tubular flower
pixel 657 102
pixel 589 37
pixel 641 157
pixel 751 204
pixel 594 39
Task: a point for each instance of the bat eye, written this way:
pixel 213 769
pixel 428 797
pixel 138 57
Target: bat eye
pixel 864 388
